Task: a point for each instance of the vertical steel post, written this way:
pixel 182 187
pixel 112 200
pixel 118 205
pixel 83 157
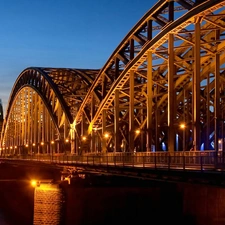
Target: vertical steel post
pixel 171 95
pixel 149 102
pixel 93 148
pixel 131 113
pixel 103 131
pixel 196 88
pixel 116 122
pixel 217 96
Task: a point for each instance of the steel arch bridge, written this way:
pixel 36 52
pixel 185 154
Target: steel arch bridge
pixel 167 71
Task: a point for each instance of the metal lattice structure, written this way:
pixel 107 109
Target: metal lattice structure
pixel 168 70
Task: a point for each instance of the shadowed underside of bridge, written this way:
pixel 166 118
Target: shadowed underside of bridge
pixel 167 71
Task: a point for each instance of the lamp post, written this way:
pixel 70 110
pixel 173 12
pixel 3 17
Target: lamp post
pixel 183 126
pixel 52 148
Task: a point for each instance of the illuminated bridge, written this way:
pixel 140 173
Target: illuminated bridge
pixel 161 93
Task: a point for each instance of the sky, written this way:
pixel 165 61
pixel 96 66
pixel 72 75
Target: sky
pixel 62 34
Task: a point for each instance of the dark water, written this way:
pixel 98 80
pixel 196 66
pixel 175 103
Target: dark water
pixel 17 194
pixel 95 200
pixel 16 203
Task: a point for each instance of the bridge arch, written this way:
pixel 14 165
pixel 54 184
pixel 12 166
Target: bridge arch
pixel 157 98
pixel 168 70
pixel 41 108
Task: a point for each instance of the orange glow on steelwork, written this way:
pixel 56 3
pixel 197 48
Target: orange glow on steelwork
pixel 106 135
pixel 84 138
pixel 137 131
pixel 182 126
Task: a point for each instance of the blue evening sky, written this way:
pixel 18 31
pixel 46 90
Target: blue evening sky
pixel 62 33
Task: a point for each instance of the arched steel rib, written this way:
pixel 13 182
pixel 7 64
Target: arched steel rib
pixel 151 45
pixel 16 88
pixel 141 22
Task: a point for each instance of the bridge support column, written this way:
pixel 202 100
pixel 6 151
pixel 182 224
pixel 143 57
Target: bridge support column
pixel 116 122
pixel 73 146
pixel 73 139
pixel 58 146
pixel 217 109
pixel 196 88
pixel 157 147
pixel 171 95
pixel 207 140
pixel 131 113
pixel 217 101
pixel 149 102
pixel 104 149
pixel 35 126
pixel 93 144
pixel 92 130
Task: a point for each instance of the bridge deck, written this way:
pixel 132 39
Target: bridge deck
pixel 203 169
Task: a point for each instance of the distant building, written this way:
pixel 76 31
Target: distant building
pixel 1 115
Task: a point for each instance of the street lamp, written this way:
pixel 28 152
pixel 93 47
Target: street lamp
pixel 84 138
pixel 106 135
pixel 52 149
pixel 137 131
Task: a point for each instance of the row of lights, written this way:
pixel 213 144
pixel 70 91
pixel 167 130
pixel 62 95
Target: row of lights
pixel 106 135
pixel 26 145
pixel 84 138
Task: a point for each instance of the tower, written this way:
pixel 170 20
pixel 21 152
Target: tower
pixel 1 115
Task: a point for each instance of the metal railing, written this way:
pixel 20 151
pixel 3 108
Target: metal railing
pixel 197 160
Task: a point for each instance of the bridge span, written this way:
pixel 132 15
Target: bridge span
pixel 161 91
pixel 206 169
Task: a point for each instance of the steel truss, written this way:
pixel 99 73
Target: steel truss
pixel 168 70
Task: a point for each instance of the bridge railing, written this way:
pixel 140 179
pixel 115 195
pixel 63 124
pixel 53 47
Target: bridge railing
pixel 178 160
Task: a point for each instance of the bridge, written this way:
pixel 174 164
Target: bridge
pixel 157 102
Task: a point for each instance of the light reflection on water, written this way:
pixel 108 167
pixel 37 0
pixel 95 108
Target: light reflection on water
pixel 47 204
pixel 95 200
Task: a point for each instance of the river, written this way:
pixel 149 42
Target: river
pixel 95 200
